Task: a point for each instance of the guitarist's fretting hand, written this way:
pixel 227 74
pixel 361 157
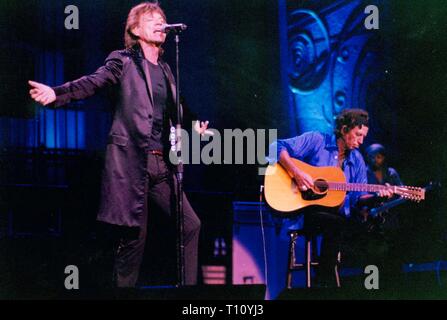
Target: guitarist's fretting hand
pixel 386 193
pixel 303 180
pixel 371 199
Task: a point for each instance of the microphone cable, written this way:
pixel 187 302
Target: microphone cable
pixel 263 236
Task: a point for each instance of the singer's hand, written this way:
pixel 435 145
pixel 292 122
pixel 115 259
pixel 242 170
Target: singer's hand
pixel 201 128
pixel 41 93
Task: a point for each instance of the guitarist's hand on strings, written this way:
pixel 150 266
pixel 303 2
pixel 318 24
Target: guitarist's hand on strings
pixel 302 179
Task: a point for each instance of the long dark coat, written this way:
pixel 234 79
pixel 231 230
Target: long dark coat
pixel 124 176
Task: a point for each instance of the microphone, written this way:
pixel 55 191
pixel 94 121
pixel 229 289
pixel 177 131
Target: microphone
pixel 175 27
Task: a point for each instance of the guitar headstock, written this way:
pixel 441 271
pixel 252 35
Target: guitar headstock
pixel 411 193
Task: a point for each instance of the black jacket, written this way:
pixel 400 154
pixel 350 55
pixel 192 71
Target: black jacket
pixel 124 176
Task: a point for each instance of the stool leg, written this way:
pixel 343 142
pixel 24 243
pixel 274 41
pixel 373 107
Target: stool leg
pixel 291 261
pixel 308 263
pixel 337 276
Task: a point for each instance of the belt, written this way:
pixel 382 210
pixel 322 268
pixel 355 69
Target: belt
pixel 156 152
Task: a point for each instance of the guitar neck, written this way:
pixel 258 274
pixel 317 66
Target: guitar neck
pixel 361 187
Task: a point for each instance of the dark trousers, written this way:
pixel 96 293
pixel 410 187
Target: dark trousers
pixel 161 191
pixel 332 227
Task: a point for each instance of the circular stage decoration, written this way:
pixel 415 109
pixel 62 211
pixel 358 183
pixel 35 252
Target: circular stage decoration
pixel 309 51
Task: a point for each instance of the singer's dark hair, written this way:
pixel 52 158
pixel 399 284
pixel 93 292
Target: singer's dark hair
pixel 133 19
pixel 350 118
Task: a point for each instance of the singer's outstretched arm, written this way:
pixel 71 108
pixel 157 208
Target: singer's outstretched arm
pixel 81 88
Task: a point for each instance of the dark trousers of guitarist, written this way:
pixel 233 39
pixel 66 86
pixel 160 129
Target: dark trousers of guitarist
pixel 331 226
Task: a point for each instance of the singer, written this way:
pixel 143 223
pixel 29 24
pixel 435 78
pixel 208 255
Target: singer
pixel 137 174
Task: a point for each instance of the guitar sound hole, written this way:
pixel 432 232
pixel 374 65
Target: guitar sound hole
pixel 310 195
pixel 321 186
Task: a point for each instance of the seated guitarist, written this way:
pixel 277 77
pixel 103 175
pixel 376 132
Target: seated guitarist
pixel 339 150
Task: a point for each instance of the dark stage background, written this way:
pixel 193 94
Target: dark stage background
pixel 285 65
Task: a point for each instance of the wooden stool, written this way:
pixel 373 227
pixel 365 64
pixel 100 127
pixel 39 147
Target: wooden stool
pixel 309 262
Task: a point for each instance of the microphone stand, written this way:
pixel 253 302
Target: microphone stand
pixel 179 173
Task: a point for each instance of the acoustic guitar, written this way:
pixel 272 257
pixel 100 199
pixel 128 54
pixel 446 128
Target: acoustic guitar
pixel 329 190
